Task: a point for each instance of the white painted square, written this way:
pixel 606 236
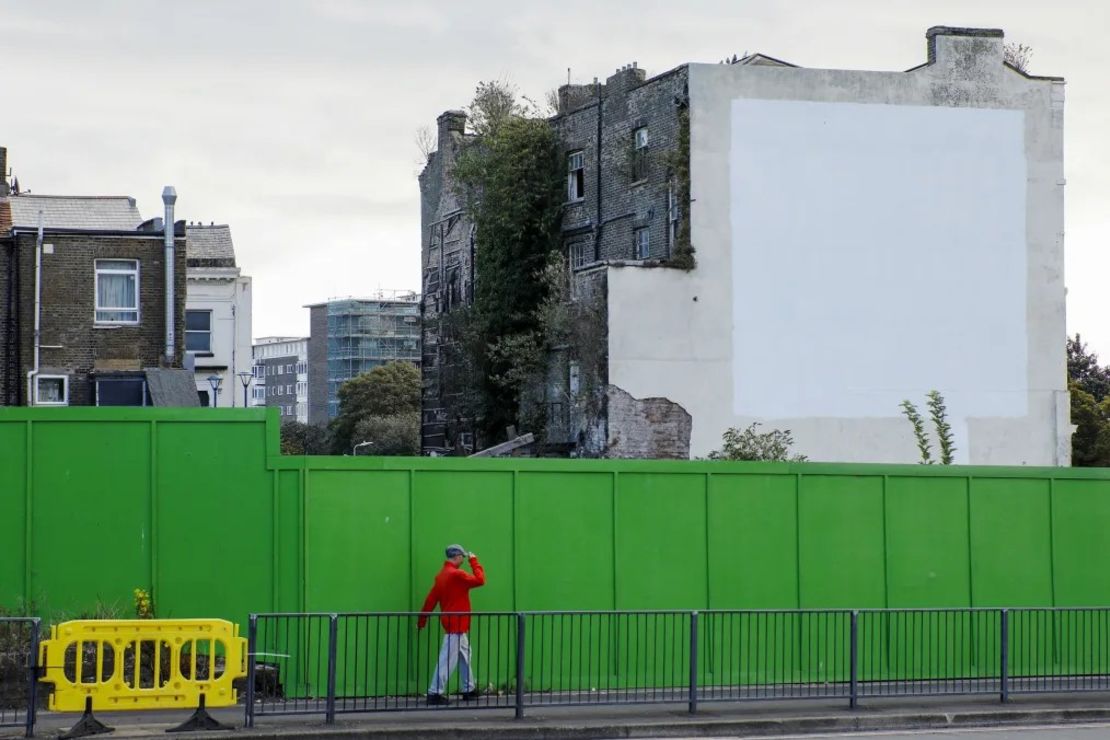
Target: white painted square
pixel 878 251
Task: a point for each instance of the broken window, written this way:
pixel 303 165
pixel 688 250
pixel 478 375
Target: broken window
pixel 639 154
pixel 576 176
pixel 641 244
pixel 672 217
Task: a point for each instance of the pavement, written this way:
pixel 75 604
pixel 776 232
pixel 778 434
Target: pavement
pixel 747 720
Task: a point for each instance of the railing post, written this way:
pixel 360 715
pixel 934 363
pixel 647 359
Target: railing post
pixel 693 662
pixel 32 680
pixel 853 662
pixel 252 639
pixel 520 666
pixel 1004 656
pixel 333 639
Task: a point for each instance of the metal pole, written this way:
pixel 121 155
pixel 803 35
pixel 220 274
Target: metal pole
pixel 520 666
pixel 1004 656
pixel 252 649
pixel 693 698
pixel 169 197
pixel 333 639
pixel 853 695
pixel 32 680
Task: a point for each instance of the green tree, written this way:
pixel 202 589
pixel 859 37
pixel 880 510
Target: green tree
pixel 304 439
pixel 753 445
pixel 511 179
pixel 1089 386
pixel 1084 370
pixel 387 391
pixel 396 434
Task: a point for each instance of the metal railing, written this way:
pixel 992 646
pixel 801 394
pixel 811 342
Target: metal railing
pixel 338 663
pixel 19 649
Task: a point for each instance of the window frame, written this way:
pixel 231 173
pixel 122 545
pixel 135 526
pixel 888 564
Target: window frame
pixel 576 176
pixel 636 243
pixel 65 389
pixel 640 141
pixel 207 331
pixel 673 216
pixel 97 308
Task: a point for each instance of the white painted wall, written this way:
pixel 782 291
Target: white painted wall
pixel 227 294
pixel 863 237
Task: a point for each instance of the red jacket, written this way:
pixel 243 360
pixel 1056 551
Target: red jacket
pixel 452 592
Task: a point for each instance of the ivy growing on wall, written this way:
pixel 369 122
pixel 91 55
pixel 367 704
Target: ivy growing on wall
pixel 511 180
pixel 678 166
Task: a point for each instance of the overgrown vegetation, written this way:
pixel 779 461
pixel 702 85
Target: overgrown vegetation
pixel 919 433
pixel 379 409
pixel 1018 55
pixel 678 169
pixel 752 445
pixel 510 177
pixel 938 413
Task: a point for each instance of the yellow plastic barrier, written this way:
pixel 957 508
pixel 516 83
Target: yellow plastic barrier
pixel 143 663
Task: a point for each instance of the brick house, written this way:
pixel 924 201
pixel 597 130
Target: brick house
pixel 100 306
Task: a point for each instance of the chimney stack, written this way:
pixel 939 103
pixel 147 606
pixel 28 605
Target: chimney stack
pixel 3 171
pixel 452 121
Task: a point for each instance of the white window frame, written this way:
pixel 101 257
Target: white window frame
pixel 189 331
pixel 65 390
pixel 97 308
pixel 641 242
pixel 576 162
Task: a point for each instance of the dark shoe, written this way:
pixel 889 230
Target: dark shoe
pixel 470 695
pixel 437 700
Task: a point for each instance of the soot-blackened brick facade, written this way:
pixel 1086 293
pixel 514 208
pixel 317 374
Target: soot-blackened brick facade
pixel 622 208
pixel 72 342
pixel 632 189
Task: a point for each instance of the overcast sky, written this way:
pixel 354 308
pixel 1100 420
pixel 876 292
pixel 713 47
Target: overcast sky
pixel 294 122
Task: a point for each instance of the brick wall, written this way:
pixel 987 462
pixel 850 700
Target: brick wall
pixel 628 102
pixel 72 343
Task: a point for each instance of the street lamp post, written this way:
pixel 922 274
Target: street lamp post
pixel 245 378
pixel 214 381
pixel 354 450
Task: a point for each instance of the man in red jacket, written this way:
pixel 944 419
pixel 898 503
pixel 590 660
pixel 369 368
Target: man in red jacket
pixel 451 591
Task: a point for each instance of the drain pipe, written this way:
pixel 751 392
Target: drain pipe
pixel 38 314
pixel 169 197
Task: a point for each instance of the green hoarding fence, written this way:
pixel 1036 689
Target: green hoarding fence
pixel 200 507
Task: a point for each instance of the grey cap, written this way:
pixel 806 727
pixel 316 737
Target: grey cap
pixel 453 550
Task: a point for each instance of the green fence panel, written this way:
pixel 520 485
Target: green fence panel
pixel 841 544
pixel 1081 542
pixel 92 527
pixel 14 589
pixel 753 541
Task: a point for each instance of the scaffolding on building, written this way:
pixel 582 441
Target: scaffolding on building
pixel 364 333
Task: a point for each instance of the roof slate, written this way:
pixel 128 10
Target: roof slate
pixel 107 212
pixel 209 243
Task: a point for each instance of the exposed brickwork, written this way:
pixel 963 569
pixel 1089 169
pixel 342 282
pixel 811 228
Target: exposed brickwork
pixel 646 428
pixel 72 343
pixel 602 228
